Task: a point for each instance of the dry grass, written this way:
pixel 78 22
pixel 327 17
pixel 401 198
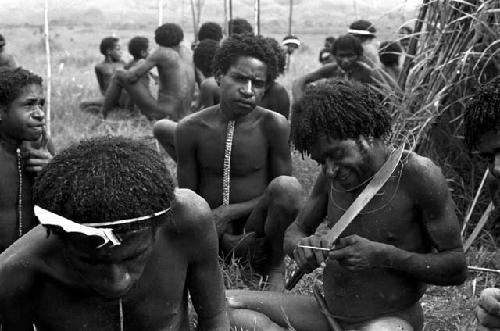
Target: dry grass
pixel 446 308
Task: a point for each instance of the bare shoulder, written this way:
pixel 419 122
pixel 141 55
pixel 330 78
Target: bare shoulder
pixel 191 213
pixel 423 176
pixel 24 262
pixel 209 84
pixel 273 122
pixel 194 120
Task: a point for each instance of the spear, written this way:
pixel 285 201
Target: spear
pixel 49 71
pixel 160 12
pixel 257 16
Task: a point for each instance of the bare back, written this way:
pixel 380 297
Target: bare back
pixel 176 77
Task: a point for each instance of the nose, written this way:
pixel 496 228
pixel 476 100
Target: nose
pixel 247 90
pixel 117 279
pixel 496 166
pixel 330 168
pixel 38 114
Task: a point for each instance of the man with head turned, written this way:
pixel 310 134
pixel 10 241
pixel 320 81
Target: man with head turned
pixel 176 78
pixel 117 248
pixel 482 134
pixel 23 150
pixel 236 155
pixel 111 50
pixel 348 53
pixel 6 60
pixel 407 235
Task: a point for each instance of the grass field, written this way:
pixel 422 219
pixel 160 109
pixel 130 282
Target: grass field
pixel 75 51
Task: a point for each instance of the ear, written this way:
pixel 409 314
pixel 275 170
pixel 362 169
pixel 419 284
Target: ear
pixel 365 143
pixel 218 78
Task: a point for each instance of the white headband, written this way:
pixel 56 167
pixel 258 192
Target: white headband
pixel 89 229
pixel 362 32
pixel 291 41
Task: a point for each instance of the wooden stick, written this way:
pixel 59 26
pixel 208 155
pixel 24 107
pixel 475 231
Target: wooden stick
pixel 193 14
pixel 257 16
pixel 49 70
pixel 479 269
pixel 478 193
pixel 478 227
pixel 226 21
pixel 160 12
pixel 290 11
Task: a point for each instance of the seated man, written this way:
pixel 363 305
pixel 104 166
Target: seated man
pixel 276 97
pixel 110 48
pixel 239 26
pixel 203 56
pixel 176 78
pixel 325 55
pixel 348 54
pixel 390 53
pixel 6 60
pixel 208 30
pixel 365 32
pixel 407 236
pixel 236 156
pixel 117 249
pixel 22 126
pixel 481 121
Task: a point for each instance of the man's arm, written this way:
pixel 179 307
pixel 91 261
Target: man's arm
pixel 185 142
pixel 142 68
pixel 208 91
pixel 445 263
pixel 279 101
pixel 299 232
pixel 204 276
pixel 299 85
pixel 280 158
pixel 15 312
pixel 100 79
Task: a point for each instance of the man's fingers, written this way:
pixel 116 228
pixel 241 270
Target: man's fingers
pixel 487 320
pixel 339 254
pixel 34 168
pixel 490 301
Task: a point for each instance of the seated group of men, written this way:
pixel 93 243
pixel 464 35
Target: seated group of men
pixel 117 247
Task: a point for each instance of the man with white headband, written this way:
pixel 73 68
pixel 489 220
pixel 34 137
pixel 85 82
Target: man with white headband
pixel 365 32
pixel 117 249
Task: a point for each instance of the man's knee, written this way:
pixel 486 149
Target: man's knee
pixel 388 323
pixel 286 191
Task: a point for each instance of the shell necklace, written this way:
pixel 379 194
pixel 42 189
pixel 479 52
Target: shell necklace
pixel 226 172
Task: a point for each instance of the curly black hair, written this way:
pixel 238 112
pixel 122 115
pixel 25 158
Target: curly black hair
pixel 136 45
pixel 239 26
pixel 349 42
pixel 245 45
pixel 12 82
pixel 203 56
pixel 107 44
pixel 210 30
pixel 482 113
pixel 105 179
pixel 389 52
pixel 340 109
pixel 169 35
pixel 280 54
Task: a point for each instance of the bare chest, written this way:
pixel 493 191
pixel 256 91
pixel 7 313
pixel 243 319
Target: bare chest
pixel 249 150
pixel 390 217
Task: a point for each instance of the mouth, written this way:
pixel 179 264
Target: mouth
pixel 245 104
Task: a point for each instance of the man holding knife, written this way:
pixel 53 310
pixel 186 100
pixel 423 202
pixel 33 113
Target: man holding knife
pixel 404 235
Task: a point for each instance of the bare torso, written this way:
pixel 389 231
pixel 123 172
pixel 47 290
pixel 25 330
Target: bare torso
pixel 9 193
pixel 249 156
pixel 51 295
pixel 176 78
pixel 104 71
pixel 7 61
pixel 391 217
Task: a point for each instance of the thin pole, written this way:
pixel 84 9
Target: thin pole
pixel 226 27
pixel 160 12
pixel 193 13
pixel 356 11
pixel 257 16
pixel 290 12
pixel 49 70
pixel 230 12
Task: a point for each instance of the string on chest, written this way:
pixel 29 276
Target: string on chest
pixel 19 194
pixel 226 173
